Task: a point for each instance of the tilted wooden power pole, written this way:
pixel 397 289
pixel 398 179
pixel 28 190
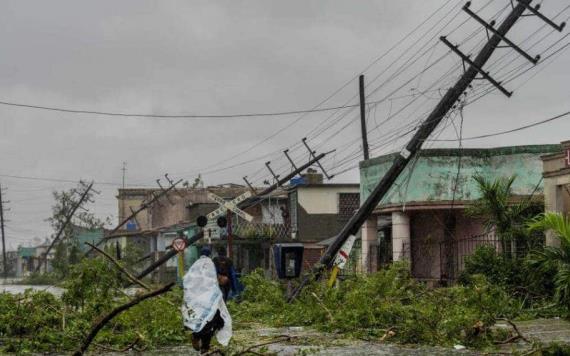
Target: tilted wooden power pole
pixel 4 258
pixel 427 127
pixel 363 117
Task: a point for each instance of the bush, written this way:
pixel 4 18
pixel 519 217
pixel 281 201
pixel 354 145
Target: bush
pixel 31 321
pixel 520 277
pixel 40 322
pixel 485 261
pixel 369 306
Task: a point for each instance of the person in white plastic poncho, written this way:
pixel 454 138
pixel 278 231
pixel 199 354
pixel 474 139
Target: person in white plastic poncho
pixel 204 311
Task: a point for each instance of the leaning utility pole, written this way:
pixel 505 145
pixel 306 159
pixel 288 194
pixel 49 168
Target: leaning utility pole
pixel 427 127
pixel 5 261
pixel 65 223
pixel 260 196
pixel 363 117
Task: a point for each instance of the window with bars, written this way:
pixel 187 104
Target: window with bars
pixel 348 203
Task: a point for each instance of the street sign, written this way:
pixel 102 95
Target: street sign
pixel 229 205
pixel 179 244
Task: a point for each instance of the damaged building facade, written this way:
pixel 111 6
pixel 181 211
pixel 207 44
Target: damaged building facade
pixel 423 217
pixel 153 230
pixel 306 211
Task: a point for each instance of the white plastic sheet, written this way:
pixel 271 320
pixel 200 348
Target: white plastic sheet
pixel 203 297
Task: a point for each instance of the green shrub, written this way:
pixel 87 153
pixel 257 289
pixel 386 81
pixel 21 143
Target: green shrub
pixel 498 270
pixel 368 306
pixel 520 277
pixel 40 322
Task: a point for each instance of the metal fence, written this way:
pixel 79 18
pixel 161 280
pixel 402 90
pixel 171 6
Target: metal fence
pixel 453 254
pixel 254 230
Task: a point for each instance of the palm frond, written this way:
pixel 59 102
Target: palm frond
pixel 556 222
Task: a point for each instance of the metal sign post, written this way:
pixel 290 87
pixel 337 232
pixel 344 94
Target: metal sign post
pixel 230 233
pixel 179 244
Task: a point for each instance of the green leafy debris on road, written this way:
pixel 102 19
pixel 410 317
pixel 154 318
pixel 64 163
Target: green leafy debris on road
pixel 388 305
pixel 41 322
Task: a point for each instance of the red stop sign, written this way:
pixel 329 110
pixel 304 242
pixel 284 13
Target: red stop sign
pixel 179 244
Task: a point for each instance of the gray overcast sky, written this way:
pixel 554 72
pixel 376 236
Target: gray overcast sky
pixel 227 57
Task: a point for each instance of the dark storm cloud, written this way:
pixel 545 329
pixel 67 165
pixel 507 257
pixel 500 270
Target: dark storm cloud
pixel 213 57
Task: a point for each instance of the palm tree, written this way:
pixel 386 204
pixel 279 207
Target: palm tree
pixel 553 258
pixel 501 213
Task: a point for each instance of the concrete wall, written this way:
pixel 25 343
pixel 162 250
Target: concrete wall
pixel 132 199
pixel 428 231
pixel 322 200
pixel 311 255
pixel 317 211
pixel 432 177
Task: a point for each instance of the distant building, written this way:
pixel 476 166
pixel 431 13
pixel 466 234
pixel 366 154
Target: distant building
pixel 184 205
pixel 26 261
pixel 83 235
pixel 422 218
pixel 154 229
pixel 29 258
pixel 318 211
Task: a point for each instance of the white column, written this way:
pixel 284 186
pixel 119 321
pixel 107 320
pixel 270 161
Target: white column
pixel 369 245
pixel 400 236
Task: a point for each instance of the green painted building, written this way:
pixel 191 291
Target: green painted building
pixel 83 235
pixel 422 216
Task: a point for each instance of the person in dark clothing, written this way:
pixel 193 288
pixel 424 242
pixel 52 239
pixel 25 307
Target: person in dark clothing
pixel 225 270
pixel 201 340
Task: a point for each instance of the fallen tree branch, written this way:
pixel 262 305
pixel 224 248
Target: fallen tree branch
pixel 388 334
pixel 331 318
pixel 104 320
pixel 118 265
pixel 519 335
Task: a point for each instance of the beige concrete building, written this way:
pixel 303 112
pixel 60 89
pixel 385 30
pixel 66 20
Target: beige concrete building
pixel 556 172
pixel 183 205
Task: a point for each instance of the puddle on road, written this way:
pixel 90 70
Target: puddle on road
pixel 20 288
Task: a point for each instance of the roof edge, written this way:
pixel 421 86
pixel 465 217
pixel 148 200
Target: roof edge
pixel 481 152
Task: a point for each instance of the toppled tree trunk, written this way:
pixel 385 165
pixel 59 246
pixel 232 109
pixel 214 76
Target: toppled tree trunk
pixel 101 323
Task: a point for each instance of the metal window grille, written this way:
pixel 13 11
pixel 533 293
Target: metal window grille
pixel 348 203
